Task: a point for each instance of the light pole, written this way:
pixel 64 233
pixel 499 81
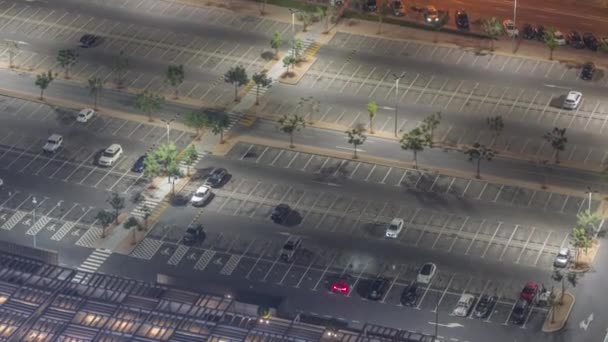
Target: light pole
pixel 436 321
pixel 590 193
pixel 34 202
pixel 168 123
pixel 397 78
pixel 293 21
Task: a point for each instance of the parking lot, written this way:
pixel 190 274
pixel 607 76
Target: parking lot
pixel 214 55
pixel 48 221
pixel 316 267
pixel 21 149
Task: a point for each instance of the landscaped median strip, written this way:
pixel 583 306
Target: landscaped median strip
pixel 364 158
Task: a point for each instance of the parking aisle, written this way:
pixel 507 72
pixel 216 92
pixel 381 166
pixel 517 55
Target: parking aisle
pixel 315 268
pixel 75 162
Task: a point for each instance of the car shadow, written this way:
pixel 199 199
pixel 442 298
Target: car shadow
pixel 201 174
pixel 364 287
pixel 96 156
pixel 375 229
pixel 293 219
pixel 558 101
pixel 179 200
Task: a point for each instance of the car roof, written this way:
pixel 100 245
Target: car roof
pixel 431 7
pixel 86 110
pixel 55 136
pixel 564 250
pixel 396 221
pixel 573 93
pixel 466 296
pixel 531 284
pixel 202 188
pixel 113 147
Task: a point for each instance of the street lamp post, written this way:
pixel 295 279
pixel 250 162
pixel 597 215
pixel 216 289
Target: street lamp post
pixel 590 193
pixel 397 78
pixel 293 21
pixel 34 202
pixel 436 321
pixel 168 124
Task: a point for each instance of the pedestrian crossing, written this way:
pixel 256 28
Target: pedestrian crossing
pixel 146 248
pixel 38 225
pixel 178 255
pixel 12 222
pixel 185 167
pixel 61 232
pixel 90 237
pixel 146 207
pixel 230 265
pixel 310 47
pixel 92 263
pixel 202 263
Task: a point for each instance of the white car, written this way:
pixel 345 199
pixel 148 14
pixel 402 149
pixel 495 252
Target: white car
pixel 464 305
pixel 510 28
pixel 426 273
pixel 560 39
pixel 393 229
pixel 110 155
pixel 573 99
pixel 562 258
pixel 53 143
pixel 201 195
pixel 85 115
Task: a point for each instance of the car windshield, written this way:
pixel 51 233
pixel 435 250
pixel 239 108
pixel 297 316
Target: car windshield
pixel 109 154
pixel 201 192
pixel 528 289
pixel 426 270
pixel 393 227
pixel 288 246
pixel 51 141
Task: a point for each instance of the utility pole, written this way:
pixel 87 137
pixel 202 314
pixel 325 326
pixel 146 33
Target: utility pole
pixel 168 123
pixel 397 78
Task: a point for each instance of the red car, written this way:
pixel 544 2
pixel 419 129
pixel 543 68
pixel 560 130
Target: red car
pixel 340 286
pixel 529 292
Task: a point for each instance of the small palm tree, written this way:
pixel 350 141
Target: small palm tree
pixel 356 137
pixel 493 28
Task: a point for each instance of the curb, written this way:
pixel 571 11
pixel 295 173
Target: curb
pixel 560 325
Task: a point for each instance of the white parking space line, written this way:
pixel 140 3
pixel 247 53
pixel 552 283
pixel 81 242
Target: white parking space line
pixel 426 225
pixel 312 261
pixel 391 286
pixel 526 245
pixel 453 94
pixel 510 313
pixel 407 226
pixel 575 114
pixel 468 97
pixel 516 101
pixel 439 91
pixel 314 83
pixel 434 182
pixel 407 90
pixel 450 186
pixel 263 200
pixel 308 162
pixel 235 213
pixel 350 79
pixel 277 157
pixel 21 154
pixel 339 73
pixel 379 83
pixel 358 278
pixel 10 196
pixel 445 224
pixel 323 165
pixel 491 240
pixel 13 17
pixel 508 242
pixel 329 208
pixel 459 232
pixel 319 196
pixel 338 168
pixel 261 155
pixel 244 154
pixel 428 287
pixel 366 80
pixel 423 90
pixel 530 106
pixel 498 193
pixel 540 251
pixel 475 237
pixel 385 176
pixel 232 194
pixel 325 271
pixel 564 205
pixel 500 100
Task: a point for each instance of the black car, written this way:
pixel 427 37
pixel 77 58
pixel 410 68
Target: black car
pixel 195 234
pixel 280 213
pixel 90 40
pixel 462 19
pixel 539 33
pixel 138 166
pixel 217 177
pixel 575 40
pixel 528 32
pixel 409 296
pixel 590 41
pixel 485 306
pixel 520 311
pixel 378 288
pixel 587 71
pixel 370 6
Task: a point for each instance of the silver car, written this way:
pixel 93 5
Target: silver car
pixel 562 258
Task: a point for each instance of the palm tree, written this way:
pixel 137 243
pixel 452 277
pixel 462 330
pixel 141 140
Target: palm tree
pixel 414 141
pixel 493 28
pixel 356 137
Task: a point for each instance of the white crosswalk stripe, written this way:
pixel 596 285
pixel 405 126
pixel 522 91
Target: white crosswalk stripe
pixel 65 228
pixel 92 263
pixel 199 156
pixel 178 255
pixel 140 210
pixel 38 225
pixel 12 222
pixel 253 91
pixel 89 238
pixel 202 263
pixel 230 265
pixel 146 249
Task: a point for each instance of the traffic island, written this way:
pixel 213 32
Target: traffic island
pixel 558 315
pixel 295 74
pixel 585 258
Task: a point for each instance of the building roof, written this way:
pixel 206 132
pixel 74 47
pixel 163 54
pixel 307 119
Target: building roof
pixel 43 302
